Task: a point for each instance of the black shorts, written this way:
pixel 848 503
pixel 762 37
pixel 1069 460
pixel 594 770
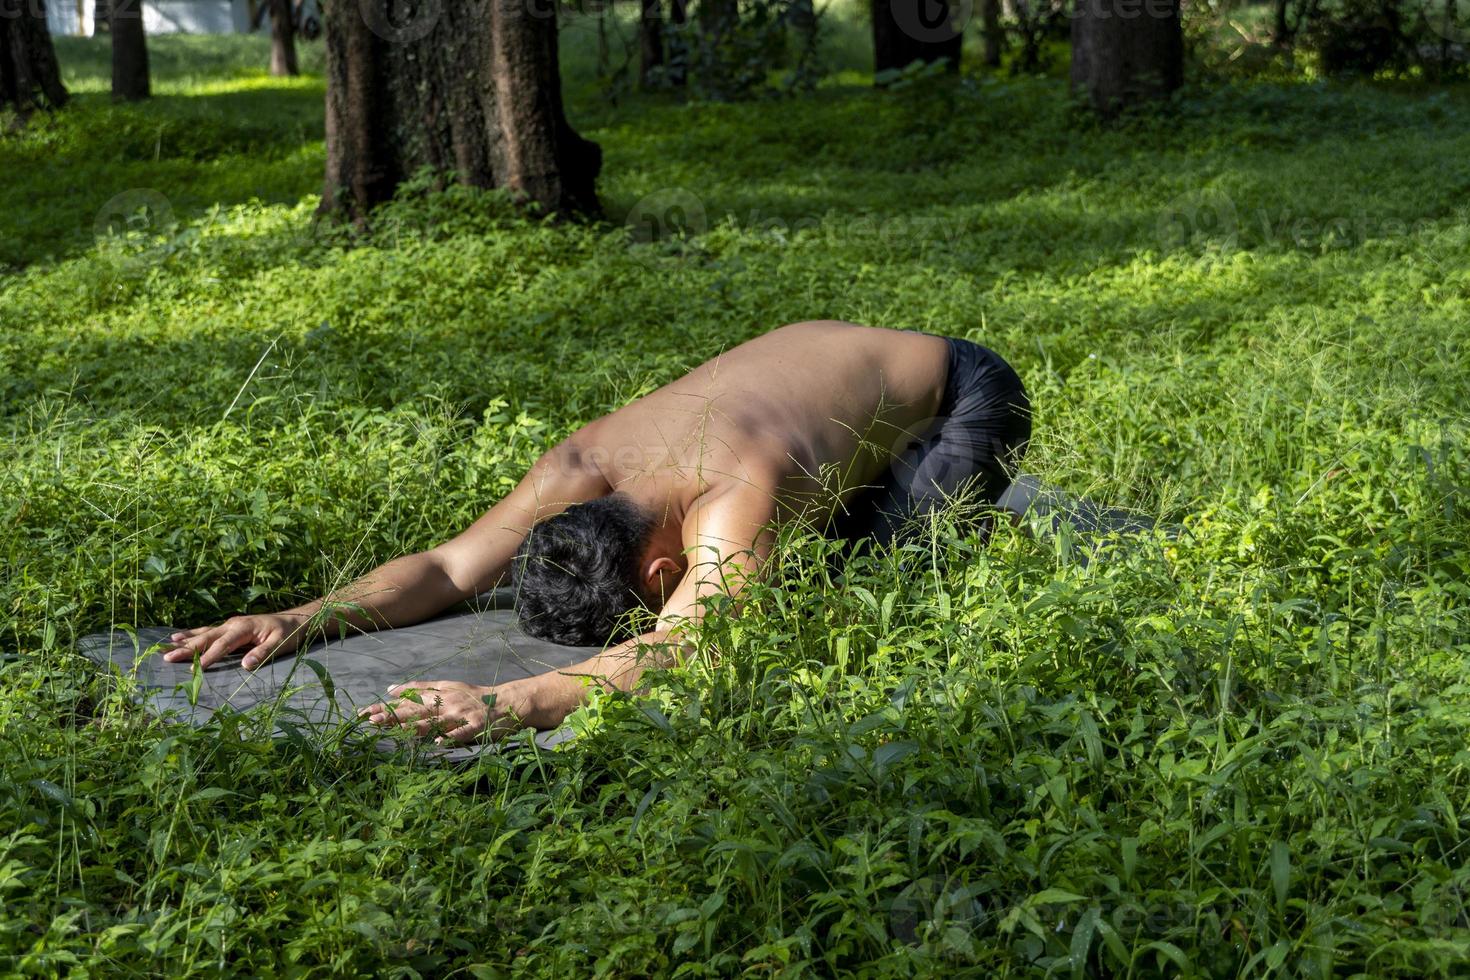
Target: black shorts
pixel 968 452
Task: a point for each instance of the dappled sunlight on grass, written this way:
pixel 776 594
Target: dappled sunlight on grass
pixel 1242 739
pixel 262 82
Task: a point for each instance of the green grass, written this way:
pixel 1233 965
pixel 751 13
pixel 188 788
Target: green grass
pixel 1238 752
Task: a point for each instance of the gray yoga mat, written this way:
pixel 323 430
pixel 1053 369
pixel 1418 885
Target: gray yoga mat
pixel 1029 496
pixel 479 643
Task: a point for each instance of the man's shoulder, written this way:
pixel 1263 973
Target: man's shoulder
pixel 734 511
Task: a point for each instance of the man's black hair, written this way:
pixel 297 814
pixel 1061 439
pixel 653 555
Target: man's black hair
pixel 576 574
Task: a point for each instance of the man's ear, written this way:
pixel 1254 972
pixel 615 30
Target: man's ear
pixel 654 581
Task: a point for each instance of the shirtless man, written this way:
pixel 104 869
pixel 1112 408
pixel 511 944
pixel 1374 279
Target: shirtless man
pixel 674 498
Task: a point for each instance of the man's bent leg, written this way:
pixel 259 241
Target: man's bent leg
pixel 969 453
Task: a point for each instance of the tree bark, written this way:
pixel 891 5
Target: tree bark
pixel 802 16
pixel 1126 51
pixel 717 22
pixel 906 31
pixel 650 40
pixel 991 33
pixel 470 89
pixel 283 40
pixel 1280 29
pixel 29 76
pixel 676 55
pixel 130 80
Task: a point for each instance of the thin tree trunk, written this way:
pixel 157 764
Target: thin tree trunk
pixel 991 33
pixel 676 57
pixel 803 16
pixel 283 40
pixel 717 13
pixel 130 80
pixel 1448 22
pixel 1124 53
pixel 604 50
pixel 650 40
pixel 717 19
pixel 1280 30
pixel 906 31
pixel 470 89
pixel 29 76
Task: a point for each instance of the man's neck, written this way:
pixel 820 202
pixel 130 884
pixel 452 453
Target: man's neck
pixel 664 502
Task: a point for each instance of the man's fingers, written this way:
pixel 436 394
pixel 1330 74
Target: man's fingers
pixel 259 654
pixel 423 687
pixel 464 733
pixel 427 726
pixel 397 713
pixel 426 708
pixel 422 719
pixel 264 635
pixel 186 648
pixel 438 688
pixel 222 645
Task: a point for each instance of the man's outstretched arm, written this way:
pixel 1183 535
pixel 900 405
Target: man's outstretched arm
pixel 727 542
pixel 414 587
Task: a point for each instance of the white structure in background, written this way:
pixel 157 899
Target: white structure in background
pixel 165 16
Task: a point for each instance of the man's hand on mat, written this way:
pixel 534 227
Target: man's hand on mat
pixel 452 710
pixel 262 637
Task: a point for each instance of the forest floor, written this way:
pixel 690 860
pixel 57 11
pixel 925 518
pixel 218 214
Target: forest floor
pixel 1243 749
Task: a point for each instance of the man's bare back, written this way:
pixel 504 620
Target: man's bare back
pixel 670 500
pixel 800 417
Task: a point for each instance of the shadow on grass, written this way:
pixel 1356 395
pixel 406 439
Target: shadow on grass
pixel 967 144
pixel 178 59
pixel 177 154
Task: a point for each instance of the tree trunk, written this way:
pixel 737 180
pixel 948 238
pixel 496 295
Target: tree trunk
pixel 283 40
pixel 1126 51
pixel 1280 29
pixel 129 51
pixel 470 89
pixel 717 22
pixel 604 50
pixel 716 14
pixel 802 17
pixel 906 31
pixel 650 40
pixel 29 76
pixel 991 33
pixel 1449 23
pixel 676 55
